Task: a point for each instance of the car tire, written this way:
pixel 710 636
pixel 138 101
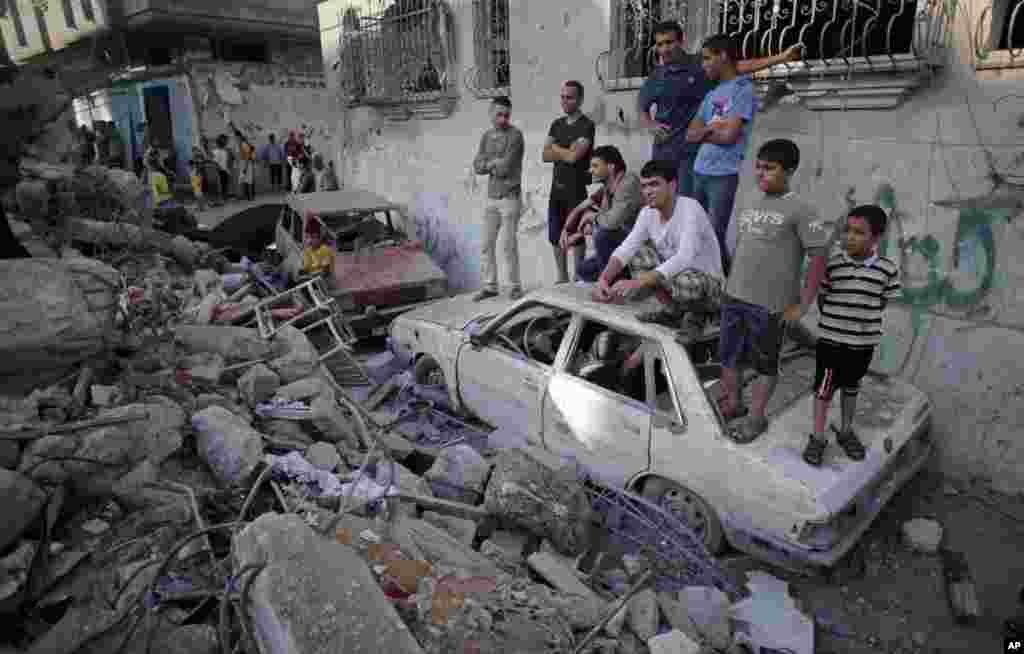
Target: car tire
pixel 690 508
pixel 427 371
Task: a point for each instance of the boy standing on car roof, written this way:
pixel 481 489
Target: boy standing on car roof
pixel 763 292
pixel 858 284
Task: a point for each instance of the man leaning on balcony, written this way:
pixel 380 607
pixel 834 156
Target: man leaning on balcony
pixel 677 87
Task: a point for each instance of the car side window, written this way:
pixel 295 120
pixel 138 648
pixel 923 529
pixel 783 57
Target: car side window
pixel 611 359
pixel 660 396
pixel 534 333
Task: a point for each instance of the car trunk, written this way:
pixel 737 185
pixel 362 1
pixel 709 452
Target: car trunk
pixel 386 276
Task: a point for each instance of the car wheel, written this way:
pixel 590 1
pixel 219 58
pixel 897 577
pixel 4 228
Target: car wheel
pixel 428 372
pixel 690 508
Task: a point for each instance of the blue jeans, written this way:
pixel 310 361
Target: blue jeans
pixel 716 194
pixel 685 177
pixel 605 242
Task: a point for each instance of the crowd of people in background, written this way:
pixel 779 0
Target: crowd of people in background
pixel 663 233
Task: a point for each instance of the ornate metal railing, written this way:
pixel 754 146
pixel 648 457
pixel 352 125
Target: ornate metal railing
pixel 397 51
pixel 491 75
pixel 998 37
pixel 873 34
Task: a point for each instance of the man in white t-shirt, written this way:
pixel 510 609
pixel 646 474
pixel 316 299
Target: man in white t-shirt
pixel 673 251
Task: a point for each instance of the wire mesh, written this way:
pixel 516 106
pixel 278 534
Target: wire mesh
pixel 668 544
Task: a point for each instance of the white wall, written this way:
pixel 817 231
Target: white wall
pixel 961 321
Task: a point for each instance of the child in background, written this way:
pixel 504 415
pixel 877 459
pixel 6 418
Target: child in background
pixel 317 256
pixel 197 185
pixel 857 286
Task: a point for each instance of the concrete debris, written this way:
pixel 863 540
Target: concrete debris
pixel 232 343
pixel 549 502
pixel 771 619
pixel 95 527
pixel 463 530
pixel 314 596
pixel 459 473
pixel 643 614
pixel 922 535
pixel 259 383
pixel 231 448
pixel 556 573
pixel 296 358
pixel 323 456
pixel 10 454
pixel 422 540
pixel 334 426
pixel 708 609
pixel 673 642
pixel 103 396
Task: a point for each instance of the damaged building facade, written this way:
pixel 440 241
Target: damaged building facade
pixel 907 104
pixel 178 72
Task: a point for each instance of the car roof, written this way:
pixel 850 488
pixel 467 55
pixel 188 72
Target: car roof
pixel 576 298
pixel 328 202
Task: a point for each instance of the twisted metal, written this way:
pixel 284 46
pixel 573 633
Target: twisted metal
pixel 675 553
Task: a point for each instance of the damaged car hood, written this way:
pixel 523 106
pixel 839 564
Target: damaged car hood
pixel 458 312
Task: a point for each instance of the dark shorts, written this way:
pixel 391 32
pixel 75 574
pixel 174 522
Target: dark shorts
pixel 839 366
pixel 749 333
pixel 559 207
pixel 276 171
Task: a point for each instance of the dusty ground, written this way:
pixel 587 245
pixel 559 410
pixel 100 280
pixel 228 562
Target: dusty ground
pixel 899 604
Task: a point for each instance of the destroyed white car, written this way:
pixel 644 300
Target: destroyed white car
pixel 548 366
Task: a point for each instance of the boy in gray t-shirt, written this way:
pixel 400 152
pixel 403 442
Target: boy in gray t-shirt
pixel 763 291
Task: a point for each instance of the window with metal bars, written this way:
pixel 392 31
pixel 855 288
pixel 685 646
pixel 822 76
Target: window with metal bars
pixel 491 74
pixel 395 51
pixel 830 30
pixel 632 45
pixel 999 35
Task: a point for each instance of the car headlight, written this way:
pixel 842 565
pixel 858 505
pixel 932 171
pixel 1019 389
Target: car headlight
pixel 437 288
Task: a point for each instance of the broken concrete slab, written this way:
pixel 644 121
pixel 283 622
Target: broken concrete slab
pixel 459 473
pixel 79 625
pixel 922 535
pixel 549 502
pixel 315 596
pixel 231 448
pixel 259 383
pixel 304 389
pixel 232 343
pixel 673 642
pixel 643 614
pixel 94 460
pixel 463 530
pixel 323 456
pixel 10 454
pixel 204 367
pixel 287 430
pixel 556 573
pixel 188 639
pixel 104 396
pixel 421 540
pixel 331 422
pixel 296 357
pixel 676 615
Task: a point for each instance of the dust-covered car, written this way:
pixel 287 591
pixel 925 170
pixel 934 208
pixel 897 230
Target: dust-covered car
pixel 551 365
pixel 379 272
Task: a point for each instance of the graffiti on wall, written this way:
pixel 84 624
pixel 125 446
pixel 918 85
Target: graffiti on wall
pixel 937 282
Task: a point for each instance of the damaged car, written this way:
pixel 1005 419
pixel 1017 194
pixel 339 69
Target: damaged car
pixel 379 272
pixel 552 365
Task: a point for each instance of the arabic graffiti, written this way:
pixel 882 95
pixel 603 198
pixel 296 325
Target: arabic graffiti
pixel 960 289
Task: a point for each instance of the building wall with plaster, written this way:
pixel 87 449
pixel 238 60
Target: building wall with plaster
pixel 960 321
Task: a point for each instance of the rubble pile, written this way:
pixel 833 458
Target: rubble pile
pixel 190 477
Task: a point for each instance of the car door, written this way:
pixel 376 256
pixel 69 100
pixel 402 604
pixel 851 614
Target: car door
pixel 591 413
pixel 501 381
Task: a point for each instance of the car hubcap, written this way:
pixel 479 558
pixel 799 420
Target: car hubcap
pixel 688 509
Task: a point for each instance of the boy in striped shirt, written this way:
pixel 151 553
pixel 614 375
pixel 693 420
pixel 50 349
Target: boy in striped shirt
pixel 857 286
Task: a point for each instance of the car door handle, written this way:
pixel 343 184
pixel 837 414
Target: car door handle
pixel 530 384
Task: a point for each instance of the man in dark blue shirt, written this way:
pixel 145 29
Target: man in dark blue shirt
pixel 678 86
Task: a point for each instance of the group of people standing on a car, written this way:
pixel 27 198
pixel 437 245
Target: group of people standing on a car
pixel 663 232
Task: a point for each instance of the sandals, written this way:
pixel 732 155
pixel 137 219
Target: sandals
pixel 851 445
pixel 814 453
pixel 663 317
pixel 749 430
